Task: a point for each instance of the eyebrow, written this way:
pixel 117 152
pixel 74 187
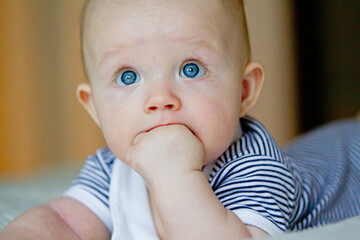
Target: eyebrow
pixel 109 53
pixel 189 40
pixel 201 42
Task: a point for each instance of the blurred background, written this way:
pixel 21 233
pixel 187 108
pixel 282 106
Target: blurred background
pixel 310 51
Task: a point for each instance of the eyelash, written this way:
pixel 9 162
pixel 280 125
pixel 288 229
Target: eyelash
pixel 197 61
pixel 120 70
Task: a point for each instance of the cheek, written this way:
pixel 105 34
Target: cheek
pixel 216 123
pixel 221 104
pixel 118 113
pixel 117 126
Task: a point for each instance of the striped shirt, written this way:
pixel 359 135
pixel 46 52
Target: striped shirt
pixel 312 182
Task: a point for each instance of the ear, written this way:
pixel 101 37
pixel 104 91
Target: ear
pixel 85 98
pixel 252 81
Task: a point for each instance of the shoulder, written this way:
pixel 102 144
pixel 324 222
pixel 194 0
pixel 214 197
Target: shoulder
pixel 253 171
pixel 254 162
pixel 259 190
pixel 254 150
pixel 253 178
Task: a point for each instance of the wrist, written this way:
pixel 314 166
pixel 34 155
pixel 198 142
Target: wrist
pixel 168 184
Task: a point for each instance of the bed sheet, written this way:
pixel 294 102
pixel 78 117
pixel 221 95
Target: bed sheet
pixel 17 196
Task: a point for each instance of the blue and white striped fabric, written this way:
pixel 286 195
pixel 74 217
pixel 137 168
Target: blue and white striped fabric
pixel 314 181
pixel 326 164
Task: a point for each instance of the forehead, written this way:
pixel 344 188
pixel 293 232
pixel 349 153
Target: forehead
pixel 100 10
pixel 115 24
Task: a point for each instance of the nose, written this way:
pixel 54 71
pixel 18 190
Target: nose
pixel 161 98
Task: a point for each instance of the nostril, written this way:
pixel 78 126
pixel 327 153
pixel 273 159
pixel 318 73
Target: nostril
pixel 165 107
pixel 169 106
pixel 152 108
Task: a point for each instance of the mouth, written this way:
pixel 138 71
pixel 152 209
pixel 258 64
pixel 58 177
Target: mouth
pixel 168 124
pixel 162 125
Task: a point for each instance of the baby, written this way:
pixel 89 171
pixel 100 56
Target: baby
pixel 168 83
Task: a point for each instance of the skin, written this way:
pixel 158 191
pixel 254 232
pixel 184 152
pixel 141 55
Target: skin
pixel 208 106
pixel 167 126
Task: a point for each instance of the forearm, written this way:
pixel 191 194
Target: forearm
pixel 38 223
pixel 189 209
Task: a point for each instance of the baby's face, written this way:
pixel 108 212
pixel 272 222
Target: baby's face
pixel 154 63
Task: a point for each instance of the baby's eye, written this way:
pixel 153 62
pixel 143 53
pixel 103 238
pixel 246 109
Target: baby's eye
pixel 192 70
pixel 127 77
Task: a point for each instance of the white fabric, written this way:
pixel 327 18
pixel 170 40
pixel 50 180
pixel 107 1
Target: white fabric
pixel 129 205
pixel 253 218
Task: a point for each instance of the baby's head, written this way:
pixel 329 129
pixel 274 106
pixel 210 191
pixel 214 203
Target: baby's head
pixel 158 62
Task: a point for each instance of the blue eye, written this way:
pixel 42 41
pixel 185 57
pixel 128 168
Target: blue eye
pixel 127 78
pixel 192 70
